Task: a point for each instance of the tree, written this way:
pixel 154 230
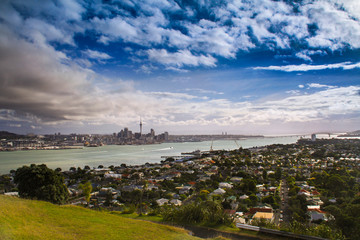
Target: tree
pixel 264 175
pixel 108 198
pixel 208 213
pixel 41 182
pixel 248 185
pixel 141 198
pixel 336 184
pixel 86 188
pixel 278 173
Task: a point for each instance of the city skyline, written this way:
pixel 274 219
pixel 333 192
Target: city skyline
pixel 185 67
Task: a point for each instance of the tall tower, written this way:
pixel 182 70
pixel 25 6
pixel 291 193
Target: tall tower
pixel 140 127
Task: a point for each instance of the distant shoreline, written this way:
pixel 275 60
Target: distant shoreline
pixel 40 148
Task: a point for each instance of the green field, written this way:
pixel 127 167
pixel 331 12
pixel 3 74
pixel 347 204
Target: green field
pixel 29 219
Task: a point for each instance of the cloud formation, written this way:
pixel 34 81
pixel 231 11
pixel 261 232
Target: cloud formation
pixel 306 67
pixel 37 80
pixel 195 29
pixel 50 54
pixel 180 58
pixel 97 55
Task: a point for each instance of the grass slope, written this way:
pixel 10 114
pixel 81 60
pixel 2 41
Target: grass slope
pixel 29 219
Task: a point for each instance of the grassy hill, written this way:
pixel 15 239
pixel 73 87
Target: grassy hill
pixel 29 219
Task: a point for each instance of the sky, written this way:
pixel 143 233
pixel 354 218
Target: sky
pixel 186 67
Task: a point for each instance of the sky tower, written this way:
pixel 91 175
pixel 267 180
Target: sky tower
pixel 140 127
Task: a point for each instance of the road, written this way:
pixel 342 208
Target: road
pixel 284 206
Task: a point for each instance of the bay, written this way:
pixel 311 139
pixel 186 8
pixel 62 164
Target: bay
pixel 128 154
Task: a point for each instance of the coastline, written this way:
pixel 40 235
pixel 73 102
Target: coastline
pixel 40 148
pixel 128 154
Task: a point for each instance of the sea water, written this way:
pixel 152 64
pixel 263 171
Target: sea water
pixel 129 154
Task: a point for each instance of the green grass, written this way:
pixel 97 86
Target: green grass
pixel 29 219
pixel 223 228
pixel 137 216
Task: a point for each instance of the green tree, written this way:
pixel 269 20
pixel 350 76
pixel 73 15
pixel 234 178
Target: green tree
pixel 208 212
pixel 264 175
pixel 41 182
pixel 336 184
pixel 278 173
pixel 248 185
pixel 86 189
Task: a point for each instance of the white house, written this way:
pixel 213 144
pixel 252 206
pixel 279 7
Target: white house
pixel 176 202
pixel 218 191
pixel 162 201
pixel 225 185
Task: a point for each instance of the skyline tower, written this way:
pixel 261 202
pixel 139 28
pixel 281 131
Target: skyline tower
pixel 140 127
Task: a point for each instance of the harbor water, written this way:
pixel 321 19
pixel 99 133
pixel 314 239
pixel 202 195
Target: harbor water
pixel 128 154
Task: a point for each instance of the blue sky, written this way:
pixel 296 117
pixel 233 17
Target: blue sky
pixel 187 67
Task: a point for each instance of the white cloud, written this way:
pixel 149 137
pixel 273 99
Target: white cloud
pixel 301 86
pixel 203 91
pixel 270 23
pixel 236 25
pixel 177 39
pixel 209 37
pixel 115 28
pixel 352 6
pixel 147 69
pixel 180 58
pixel 97 55
pixel 44 22
pixel 305 54
pixel 293 92
pixel 319 105
pixel 317 85
pixel 34 27
pixel 335 28
pixel 306 67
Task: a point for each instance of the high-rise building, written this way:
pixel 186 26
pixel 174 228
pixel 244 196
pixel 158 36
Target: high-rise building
pixel 313 137
pixel 126 132
pixel 152 133
pixel 140 127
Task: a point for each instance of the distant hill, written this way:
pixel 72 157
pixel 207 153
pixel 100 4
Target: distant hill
pixel 9 135
pixel 351 134
pixel 30 219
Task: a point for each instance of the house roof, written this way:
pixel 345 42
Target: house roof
pixel 176 202
pixel 316 210
pixel 219 191
pixel 315 192
pixel 265 215
pixel 310 207
pixel 230 211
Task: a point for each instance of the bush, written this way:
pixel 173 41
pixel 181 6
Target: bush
pixel 207 213
pixel 41 182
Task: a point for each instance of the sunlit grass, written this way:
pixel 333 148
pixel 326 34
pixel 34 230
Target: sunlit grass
pixel 27 219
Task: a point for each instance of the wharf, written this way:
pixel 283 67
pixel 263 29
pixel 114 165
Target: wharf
pixel 178 157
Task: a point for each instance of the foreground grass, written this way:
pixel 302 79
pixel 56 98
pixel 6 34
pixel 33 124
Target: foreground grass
pixel 141 217
pixel 223 228
pixel 28 219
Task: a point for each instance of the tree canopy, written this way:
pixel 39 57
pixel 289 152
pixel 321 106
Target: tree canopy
pixel 86 188
pixel 41 182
